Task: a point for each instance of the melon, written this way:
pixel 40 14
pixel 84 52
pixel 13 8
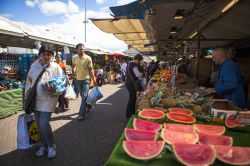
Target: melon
pixel 212 139
pixel 210 129
pixel 232 123
pixel 181 111
pixel 193 154
pixel 171 137
pixel 233 155
pixel 140 135
pixel 180 118
pixel 146 125
pixel 153 115
pixel 143 150
pixel 179 127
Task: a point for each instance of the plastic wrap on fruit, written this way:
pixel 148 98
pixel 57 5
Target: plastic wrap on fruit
pixel 59 83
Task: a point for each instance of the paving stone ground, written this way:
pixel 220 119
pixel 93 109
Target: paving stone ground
pixel 86 143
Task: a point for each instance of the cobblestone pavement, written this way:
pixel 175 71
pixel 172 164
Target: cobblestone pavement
pixel 86 143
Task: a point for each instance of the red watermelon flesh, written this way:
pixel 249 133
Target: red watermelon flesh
pixel 233 155
pixel 181 118
pixel 210 129
pixel 143 150
pixel 212 139
pixel 151 114
pixel 231 122
pixel 179 127
pixel 140 135
pixel 193 154
pixel 171 137
pixel 181 111
pixel 146 125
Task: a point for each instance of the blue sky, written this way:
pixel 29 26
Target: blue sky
pixel 17 10
pixel 63 19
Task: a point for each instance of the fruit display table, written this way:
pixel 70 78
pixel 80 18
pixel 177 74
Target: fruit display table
pixel 120 157
pixel 11 102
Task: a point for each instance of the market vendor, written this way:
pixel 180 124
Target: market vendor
pixel 229 81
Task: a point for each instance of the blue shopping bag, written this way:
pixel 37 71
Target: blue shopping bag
pixel 94 95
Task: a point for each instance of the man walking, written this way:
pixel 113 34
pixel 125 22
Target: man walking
pixel 83 73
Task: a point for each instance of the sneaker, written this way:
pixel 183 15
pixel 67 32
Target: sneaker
pixel 80 118
pixel 41 152
pixel 51 152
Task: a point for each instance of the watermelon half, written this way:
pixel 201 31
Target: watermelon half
pixel 179 127
pixel 171 137
pixel 212 139
pixel 140 135
pixel 193 154
pixel 152 115
pixel 233 155
pixel 143 150
pixel 180 118
pixel 181 111
pixel 233 123
pixel 210 129
pixel 146 125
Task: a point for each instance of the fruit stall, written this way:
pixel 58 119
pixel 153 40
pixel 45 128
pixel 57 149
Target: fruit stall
pixel 177 126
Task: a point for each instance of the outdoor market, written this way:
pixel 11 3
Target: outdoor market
pixel 178 95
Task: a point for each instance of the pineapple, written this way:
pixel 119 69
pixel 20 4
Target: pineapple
pixel 197 109
pixel 169 102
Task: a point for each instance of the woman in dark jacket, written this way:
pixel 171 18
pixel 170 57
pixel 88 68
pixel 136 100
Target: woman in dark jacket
pixel 132 73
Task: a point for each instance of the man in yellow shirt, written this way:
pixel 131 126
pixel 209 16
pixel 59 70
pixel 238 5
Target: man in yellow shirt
pixel 83 73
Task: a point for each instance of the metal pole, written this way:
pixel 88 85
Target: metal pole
pixel 85 22
pixel 198 55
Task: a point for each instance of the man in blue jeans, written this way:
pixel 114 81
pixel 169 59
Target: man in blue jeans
pixel 83 73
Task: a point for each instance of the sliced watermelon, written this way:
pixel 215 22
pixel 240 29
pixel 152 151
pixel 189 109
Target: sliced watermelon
pixel 233 155
pixel 210 129
pixel 181 118
pixel 179 127
pixel 181 111
pixel 153 115
pixel 140 135
pixel 146 125
pixel 233 123
pixel 143 150
pixel 212 139
pixel 193 154
pixel 171 137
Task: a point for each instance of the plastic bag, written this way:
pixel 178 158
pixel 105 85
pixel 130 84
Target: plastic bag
pixel 70 93
pixel 27 131
pixel 59 83
pixel 93 96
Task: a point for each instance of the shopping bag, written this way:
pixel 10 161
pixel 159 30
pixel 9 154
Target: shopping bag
pixel 94 95
pixel 70 93
pixel 27 131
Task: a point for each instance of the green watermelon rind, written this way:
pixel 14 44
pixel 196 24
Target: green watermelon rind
pixel 168 142
pixel 189 110
pixel 157 129
pixel 145 158
pixel 126 136
pixel 178 121
pixel 158 119
pixel 197 129
pixel 184 163
pixel 228 162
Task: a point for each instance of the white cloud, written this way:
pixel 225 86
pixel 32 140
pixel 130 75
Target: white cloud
pixel 124 2
pixel 58 7
pixel 6 15
pixel 100 1
pixel 32 3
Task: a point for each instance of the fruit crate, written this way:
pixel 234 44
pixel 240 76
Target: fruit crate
pixel 221 108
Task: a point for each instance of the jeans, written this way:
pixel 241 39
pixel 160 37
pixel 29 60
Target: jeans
pixel 83 87
pixel 131 101
pixel 42 119
pixel 74 82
